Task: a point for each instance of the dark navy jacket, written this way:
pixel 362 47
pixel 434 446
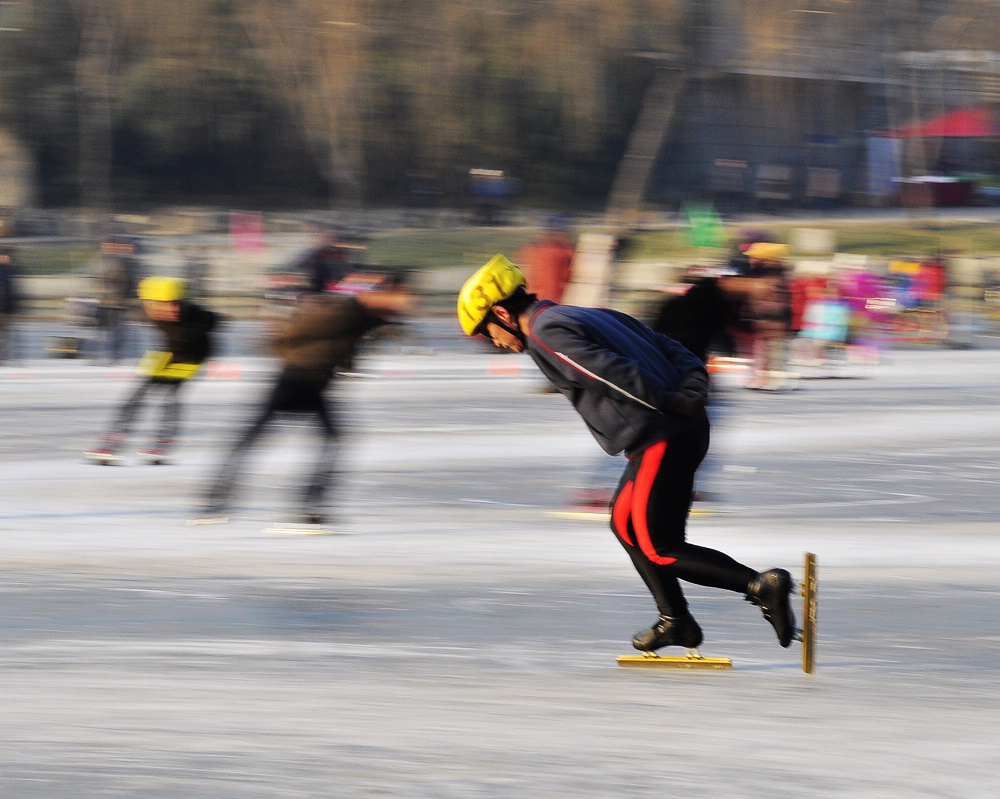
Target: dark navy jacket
pixel 621 377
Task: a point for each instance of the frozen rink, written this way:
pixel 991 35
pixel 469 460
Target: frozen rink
pixel 457 637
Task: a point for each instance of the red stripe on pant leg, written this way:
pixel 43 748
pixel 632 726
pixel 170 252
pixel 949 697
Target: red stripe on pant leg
pixel 650 465
pixel 619 514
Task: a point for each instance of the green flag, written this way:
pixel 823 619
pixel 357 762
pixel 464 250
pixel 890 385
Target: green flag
pixel 705 228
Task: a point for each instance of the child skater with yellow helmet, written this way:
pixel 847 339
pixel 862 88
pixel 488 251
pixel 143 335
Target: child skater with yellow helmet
pixel 186 328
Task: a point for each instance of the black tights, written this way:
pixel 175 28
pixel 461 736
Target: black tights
pixel 649 515
pixel 170 421
pixel 288 395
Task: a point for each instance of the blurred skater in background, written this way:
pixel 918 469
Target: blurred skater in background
pixel 702 317
pixel 10 304
pixel 825 322
pixel 769 311
pixel 318 340
pixel 548 261
pixel 186 329
pixel 115 278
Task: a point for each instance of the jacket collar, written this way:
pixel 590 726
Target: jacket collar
pixel 540 306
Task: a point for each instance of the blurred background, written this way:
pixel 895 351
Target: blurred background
pixel 458 640
pixel 433 134
pixel 126 104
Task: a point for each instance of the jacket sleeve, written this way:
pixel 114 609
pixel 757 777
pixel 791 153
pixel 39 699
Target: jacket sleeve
pixel 691 397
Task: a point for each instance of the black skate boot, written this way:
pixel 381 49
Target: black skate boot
pixel 681 630
pixel 770 591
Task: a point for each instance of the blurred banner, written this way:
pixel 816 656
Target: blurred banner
pixel 246 230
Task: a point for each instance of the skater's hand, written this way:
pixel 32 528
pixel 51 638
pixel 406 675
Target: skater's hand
pixel 691 396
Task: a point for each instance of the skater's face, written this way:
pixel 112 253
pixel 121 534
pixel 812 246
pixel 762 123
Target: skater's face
pixel 503 338
pixel 160 311
pixel 504 335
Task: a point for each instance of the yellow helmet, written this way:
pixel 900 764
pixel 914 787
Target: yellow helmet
pixel 492 283
pixel 767 251
pixel 162 289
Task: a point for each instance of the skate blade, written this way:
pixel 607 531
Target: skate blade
pixel 204 521
pixel 101 458
pixel 289 528
pixel 603 515
pixel 693 660
pixel 581 513
pixel 806 632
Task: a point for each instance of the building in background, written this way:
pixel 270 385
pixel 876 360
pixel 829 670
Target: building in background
pixel 793 108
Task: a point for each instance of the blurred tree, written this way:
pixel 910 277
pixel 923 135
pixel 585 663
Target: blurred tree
pixel 37 93
pixel 314 52
pixel 375 88
pixel 99 23
pixel 195 116
pixel 545 86
pixel 207 96
pixel 974 23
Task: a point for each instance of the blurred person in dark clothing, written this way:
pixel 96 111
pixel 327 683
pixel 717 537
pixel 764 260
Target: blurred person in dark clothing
pixel 700 315
pixel 116 278
pixel 327 264
pixel 701 318
pixel 10 302
pixel 320 339
pixel 186 328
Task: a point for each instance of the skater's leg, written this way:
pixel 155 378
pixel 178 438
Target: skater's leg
pixel 112 439
pixel 221 491
pixel 662 584
pixel 171 418
pixel 711 568
pixel 130 408
pixel 660 506
pixel 115 333
pixel 323 473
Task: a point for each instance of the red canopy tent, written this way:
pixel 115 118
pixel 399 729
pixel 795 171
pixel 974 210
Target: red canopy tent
pixel 973 122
